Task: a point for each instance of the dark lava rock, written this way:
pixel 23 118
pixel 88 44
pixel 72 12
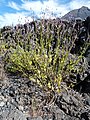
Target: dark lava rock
pixel 69 105
pixel 73 105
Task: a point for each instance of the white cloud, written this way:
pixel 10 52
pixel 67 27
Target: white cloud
pixel 37 7
pixel 14 18
pixel 14 5
pixel 52 5
pixel 75 4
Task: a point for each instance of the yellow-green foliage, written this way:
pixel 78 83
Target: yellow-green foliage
pixel 2 48
pixel 40 63
pixel 36 66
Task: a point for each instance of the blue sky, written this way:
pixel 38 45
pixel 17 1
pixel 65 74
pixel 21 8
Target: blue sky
pixel 21 11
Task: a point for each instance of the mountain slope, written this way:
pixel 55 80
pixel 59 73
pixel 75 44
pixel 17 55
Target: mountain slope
pixel 82 12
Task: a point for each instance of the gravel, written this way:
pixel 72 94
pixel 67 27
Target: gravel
pixel 16 101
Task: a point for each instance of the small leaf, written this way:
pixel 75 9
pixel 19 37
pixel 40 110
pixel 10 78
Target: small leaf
pixel 49 85
pixel 30 62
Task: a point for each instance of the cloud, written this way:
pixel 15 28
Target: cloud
pixel 51 5
pixel 13 5
pixel 55 6
pixel 37 8
pixel 75 4
pixel 14 18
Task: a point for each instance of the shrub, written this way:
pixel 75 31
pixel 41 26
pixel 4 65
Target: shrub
pixel 45 58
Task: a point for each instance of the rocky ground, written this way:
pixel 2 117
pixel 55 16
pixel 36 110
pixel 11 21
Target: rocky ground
pixel 20 99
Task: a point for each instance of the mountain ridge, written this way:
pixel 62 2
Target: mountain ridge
pixel 82 13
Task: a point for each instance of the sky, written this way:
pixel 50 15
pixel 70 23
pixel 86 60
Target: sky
pixel 14 12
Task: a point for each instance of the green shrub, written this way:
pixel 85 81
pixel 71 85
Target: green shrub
pixel 41 63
